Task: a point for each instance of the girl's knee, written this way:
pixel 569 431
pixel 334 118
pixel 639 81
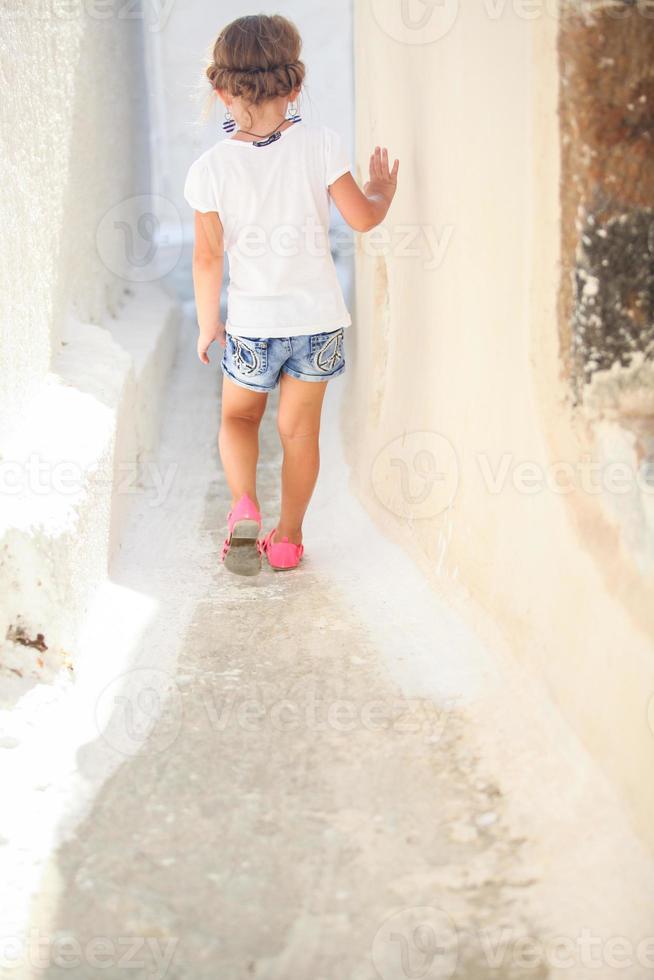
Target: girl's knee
pixel 295 431
pixel 241 417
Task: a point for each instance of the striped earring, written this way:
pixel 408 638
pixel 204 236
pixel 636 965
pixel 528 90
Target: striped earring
pixel 292 112
pixel 228 123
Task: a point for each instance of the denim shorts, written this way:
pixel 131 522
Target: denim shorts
pixel 257 362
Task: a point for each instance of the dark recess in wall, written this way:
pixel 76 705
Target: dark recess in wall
pixel 606 107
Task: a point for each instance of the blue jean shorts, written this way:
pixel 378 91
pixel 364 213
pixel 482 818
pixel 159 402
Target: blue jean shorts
pixel 257 362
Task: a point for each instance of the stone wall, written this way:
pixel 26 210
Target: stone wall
pixel 607 187
pixel 606 300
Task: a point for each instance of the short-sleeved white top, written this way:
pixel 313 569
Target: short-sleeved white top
pixel 274 205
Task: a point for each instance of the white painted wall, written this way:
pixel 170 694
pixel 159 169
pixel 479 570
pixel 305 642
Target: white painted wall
pixel 73 131
pixel 77 347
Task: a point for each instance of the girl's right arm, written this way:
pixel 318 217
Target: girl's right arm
pixel 364 210
pixel 208 268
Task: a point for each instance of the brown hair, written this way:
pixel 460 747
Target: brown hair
pixel 257 58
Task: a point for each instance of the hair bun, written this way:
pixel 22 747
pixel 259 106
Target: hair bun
pixel 248 41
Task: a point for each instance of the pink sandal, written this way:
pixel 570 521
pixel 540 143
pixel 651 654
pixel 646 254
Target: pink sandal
pixel 281 554
pixel 241 553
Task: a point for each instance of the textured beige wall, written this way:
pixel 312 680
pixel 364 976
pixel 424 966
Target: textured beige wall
pixel 73 129
pixel 467 354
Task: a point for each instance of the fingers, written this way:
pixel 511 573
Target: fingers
pixel 375 164
pixel 376 170
pixel 379 168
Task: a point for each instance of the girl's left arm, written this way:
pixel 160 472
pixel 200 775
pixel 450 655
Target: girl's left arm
pixel 365 209
pixel 208 269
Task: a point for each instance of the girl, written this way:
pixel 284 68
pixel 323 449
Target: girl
pixel 262 195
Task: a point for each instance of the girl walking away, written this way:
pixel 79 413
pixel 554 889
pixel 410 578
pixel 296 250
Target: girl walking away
pixel 262 195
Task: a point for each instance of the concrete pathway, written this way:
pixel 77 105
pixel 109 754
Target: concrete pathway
pixel 317 775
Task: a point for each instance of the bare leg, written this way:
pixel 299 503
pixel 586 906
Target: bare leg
pixel 298 421
pixel 242 411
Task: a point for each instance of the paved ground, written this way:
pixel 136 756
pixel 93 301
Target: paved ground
pixel 317 775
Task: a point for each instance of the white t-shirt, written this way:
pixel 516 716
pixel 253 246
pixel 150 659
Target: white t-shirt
pixel 273 203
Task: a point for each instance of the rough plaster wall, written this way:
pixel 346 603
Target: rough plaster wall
pixel 607 123
pixel 73 130
pixel 606 313
pixel 457 376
